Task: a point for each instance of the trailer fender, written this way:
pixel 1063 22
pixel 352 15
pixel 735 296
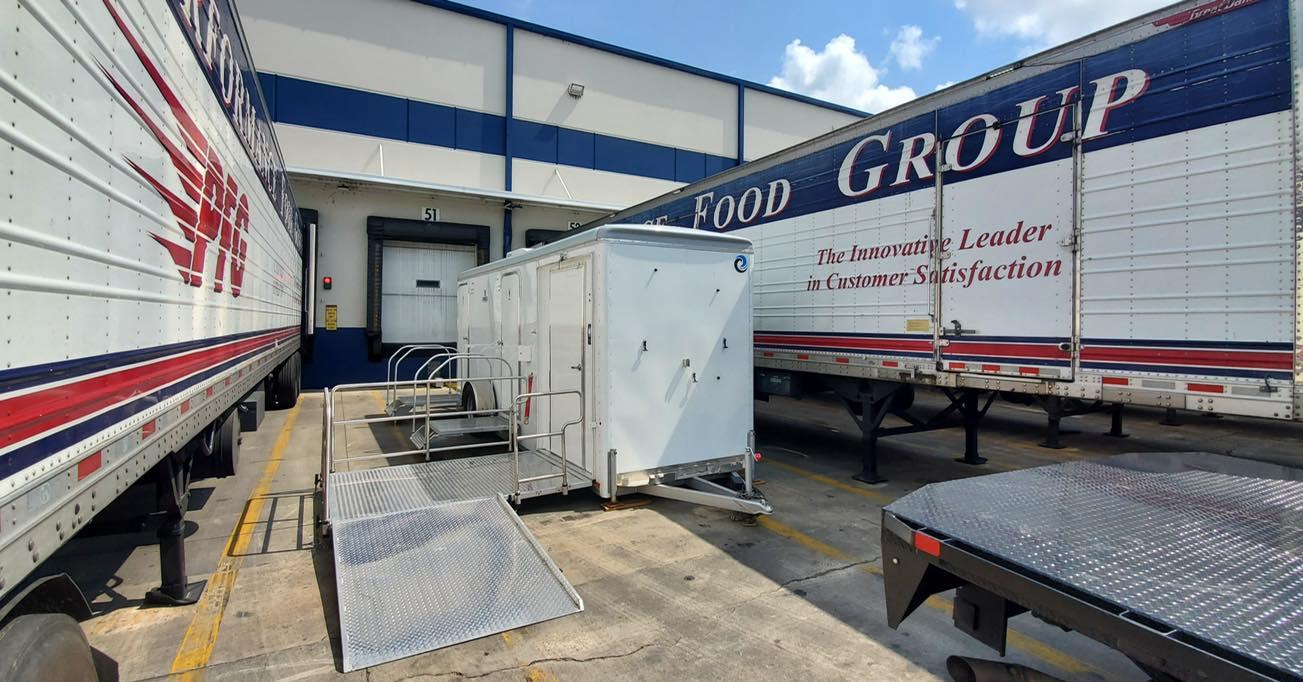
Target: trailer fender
pixel 50 594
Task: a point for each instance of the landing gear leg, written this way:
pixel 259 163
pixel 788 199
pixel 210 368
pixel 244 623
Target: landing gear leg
pixel 972 419
pixel 874 405
pixel 1115 425
pixel 1053 408
pixel 172 478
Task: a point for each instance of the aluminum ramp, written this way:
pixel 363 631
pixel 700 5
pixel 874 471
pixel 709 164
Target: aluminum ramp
pixel 429 555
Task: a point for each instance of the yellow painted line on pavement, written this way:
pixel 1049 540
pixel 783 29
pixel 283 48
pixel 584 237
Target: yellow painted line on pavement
pixel 201 637
pixel 1016 639
pixel 880 498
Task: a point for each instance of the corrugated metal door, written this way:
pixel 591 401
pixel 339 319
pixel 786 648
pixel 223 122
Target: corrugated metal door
pixel 418 291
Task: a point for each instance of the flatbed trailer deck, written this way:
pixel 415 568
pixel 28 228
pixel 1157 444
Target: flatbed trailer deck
pixel 1191 564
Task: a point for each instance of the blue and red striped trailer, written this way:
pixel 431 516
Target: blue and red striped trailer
pixel 151 268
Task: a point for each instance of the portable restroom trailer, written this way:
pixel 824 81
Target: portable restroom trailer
pixel 632 342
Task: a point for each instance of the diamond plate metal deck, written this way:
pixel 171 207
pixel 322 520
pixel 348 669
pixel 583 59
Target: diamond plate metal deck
pixel 407 404
pixel 449 427
pixel 416 578
pixel 385 490
pixel 1209 545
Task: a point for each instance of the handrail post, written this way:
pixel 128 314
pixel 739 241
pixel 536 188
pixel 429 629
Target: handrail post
pixel 750 463
pixel 327 445
pixel 610 473
pixel 426 438
pixel 515 453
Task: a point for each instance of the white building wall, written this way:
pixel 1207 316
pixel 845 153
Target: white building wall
pixel 623 97
pixel 774 123
pixel 396 47
pixel 585 184
pixel 342 210
pixel 316 149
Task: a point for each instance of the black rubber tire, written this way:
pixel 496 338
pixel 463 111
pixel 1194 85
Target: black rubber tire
pixel 283 385
pixel 45 647
pixel 226 448
pixel 467 398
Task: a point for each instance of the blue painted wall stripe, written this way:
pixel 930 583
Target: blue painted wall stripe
pixel 431 124
pixel 319 105
pixel 334 107
pixel 575 147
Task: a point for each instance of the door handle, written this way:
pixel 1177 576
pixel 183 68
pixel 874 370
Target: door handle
pixel 577 368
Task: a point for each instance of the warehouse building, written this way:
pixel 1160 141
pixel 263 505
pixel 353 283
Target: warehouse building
pixel 425 137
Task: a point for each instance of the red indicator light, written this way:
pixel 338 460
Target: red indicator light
pixel 927 544
pixel 326 282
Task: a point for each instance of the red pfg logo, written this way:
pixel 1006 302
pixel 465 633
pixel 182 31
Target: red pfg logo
pixel 213 209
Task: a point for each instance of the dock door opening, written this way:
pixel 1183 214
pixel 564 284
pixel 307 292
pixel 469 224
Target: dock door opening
pixel 418 291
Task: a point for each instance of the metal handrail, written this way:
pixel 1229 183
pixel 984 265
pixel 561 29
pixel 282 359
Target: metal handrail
pixel 449 358
pixel 328 459
pixel 392 364
pixel 516 437
pixel 441 380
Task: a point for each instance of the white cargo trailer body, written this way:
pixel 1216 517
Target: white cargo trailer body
pixel 651 325
pixel 150 252
pixel 1114 219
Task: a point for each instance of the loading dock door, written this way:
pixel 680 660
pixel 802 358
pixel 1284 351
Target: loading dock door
pixel 418 294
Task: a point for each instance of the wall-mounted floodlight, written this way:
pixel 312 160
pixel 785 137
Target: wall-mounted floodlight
pixel 575 90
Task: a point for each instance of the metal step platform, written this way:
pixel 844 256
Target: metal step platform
pixel 460 426
pixel 1189 563
pixel 409 404
pixel 418 567
pixel 387 489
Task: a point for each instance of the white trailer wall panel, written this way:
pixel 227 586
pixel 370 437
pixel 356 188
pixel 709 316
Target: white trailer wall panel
pixel 1108 220
pixel 150 267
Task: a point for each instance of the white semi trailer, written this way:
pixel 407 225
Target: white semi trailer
pixel 1112 221
pixel 151 276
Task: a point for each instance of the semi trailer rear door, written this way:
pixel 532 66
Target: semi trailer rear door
pixel 1004 287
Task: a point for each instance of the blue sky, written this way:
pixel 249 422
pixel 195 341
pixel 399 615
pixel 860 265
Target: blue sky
pixel 869 54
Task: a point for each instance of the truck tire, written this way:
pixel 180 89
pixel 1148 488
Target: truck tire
pixel 45 647
pixel 283 384
pixel 226 447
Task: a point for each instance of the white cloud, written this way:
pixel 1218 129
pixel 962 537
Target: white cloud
pixel 1046 23
pixel 910 47
pixel 943 86
pixel 839 73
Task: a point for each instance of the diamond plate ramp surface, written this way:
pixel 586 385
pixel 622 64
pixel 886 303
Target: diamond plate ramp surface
pixel 1209 545
pixel 416 580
